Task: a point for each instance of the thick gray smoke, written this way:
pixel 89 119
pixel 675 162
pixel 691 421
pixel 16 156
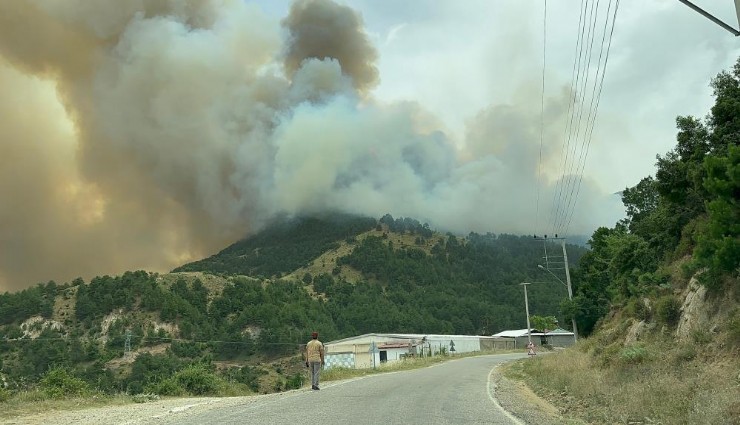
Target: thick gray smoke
pixel 143 134
pixel 322 29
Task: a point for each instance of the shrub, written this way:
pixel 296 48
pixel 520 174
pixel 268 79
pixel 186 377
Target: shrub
pixel 198 380
pixel 689 268
pixel 733 328
pixel 145 398
pixel 295 381
pixel 168 386
pixel 245 375
pixel 186 349
pixel 58 383
pixel 686 353
pixel 606 354
pixel 634 354
pixel 4 394
pixel 134 387
pixel 701 337
pixel 636 308
pixel 668 310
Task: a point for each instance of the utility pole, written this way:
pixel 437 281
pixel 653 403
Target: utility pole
pixel 570 289
pixel 526 309
pixel 566 266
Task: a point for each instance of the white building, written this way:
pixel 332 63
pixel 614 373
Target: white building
pixel 374 349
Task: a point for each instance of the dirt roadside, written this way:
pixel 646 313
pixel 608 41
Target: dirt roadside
pixel 518 399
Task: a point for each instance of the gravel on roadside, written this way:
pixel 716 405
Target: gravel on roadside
pixel 139 413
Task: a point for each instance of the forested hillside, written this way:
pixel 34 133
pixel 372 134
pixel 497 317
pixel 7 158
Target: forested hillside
pixel 258 299
pixel 687 213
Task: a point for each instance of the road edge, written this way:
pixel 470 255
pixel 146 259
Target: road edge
pixel 519 402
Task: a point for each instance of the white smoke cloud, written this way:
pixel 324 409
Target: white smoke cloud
pixel 186 126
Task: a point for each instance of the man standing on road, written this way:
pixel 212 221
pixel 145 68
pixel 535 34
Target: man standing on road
pixel 314 359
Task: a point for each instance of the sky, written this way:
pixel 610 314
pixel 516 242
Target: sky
pixel 142 134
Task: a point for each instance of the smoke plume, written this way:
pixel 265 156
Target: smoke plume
pixel 322 29
pixel 144 134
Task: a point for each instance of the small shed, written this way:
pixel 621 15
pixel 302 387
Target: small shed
pixel 560 337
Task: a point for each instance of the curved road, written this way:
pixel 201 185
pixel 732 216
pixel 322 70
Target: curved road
pixel 454 392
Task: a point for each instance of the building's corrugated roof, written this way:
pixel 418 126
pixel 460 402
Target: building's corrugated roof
pixel 536 332
pixel 559 331
pixel 410 337
pixel 516 333
pixel 396 345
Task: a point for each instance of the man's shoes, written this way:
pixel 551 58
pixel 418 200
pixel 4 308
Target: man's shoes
pixel 314 387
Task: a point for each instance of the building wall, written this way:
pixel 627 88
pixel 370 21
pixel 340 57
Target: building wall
pixel 359 347
pixel 561 340
pixel 442 343
pixel 335 360
pixel 392 354
pixel 554 340
pixel 500 344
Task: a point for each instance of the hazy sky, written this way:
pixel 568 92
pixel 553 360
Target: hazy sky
pixel 141 134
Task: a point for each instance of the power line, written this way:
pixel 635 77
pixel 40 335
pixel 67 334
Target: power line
pixel 129 336
pixel 575 130
pixel 565 152
pixel 598 100
pixel 575 165
pixel 586 140
pixel 542 115
pixel 580 133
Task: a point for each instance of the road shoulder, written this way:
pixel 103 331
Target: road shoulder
pixel 518 399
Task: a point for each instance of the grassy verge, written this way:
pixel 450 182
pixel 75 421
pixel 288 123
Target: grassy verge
pixel 31 402
pixel 639 384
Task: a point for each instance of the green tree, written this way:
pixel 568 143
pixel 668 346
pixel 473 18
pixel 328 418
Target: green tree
pixel 719 247
pixel 543 323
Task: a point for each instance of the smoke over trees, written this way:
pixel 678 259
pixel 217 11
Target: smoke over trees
pixel 144 134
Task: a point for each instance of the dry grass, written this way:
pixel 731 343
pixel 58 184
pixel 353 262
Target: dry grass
pixel 668 386
pixel 32 402
pixel 327 261
pixel 214 284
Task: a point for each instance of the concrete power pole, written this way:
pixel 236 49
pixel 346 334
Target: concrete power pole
pixel 566 266
pixel 526 309
pixel 570 288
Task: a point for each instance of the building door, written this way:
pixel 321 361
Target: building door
pixel 383 356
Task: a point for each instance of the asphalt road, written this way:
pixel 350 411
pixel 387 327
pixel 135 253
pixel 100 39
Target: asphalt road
pixel 454 392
